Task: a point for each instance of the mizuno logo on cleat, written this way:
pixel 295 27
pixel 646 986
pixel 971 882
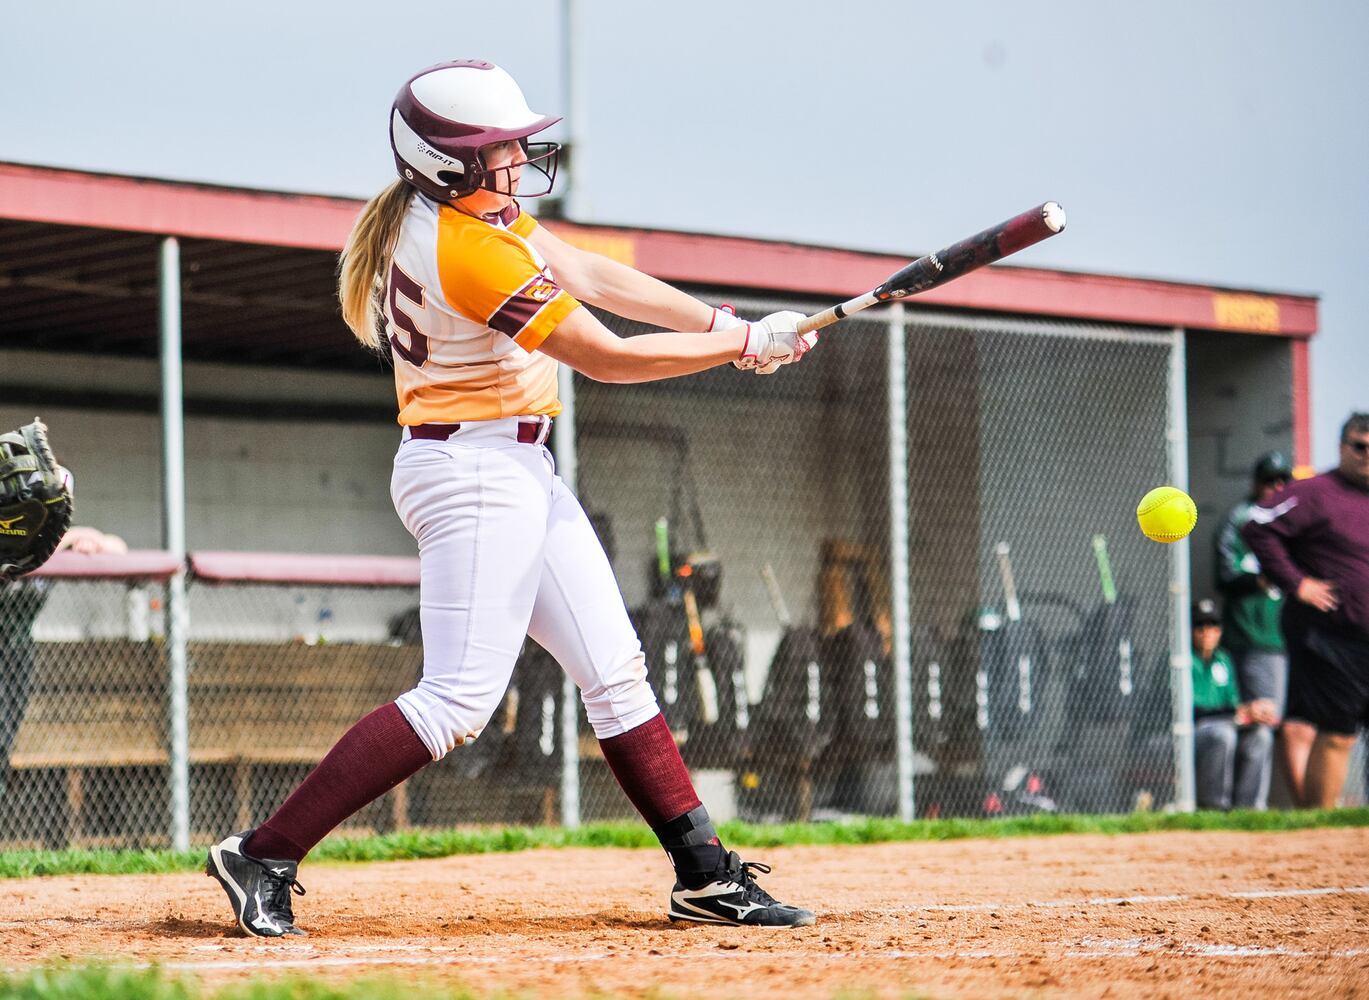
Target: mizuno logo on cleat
pixel 743 909
pixel 261 920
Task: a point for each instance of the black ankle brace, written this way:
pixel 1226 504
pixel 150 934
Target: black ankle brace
pixel 693 847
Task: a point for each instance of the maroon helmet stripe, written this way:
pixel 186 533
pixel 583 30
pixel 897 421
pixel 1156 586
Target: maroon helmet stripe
pixel 519 308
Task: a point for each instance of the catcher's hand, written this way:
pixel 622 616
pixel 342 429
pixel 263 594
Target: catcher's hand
pixel 35 501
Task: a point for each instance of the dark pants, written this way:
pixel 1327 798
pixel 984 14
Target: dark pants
pixel 16 682
pixel 1231 764
pixel 1263 673
pixel 1328 677
pixel 19 606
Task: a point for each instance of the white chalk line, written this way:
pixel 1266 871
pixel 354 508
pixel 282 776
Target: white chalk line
pixel 1042 903
pixel 1275 893
pixel 1131 900
pixel 1084 948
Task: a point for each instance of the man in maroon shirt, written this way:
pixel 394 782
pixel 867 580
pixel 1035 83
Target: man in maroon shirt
pixel 1312 539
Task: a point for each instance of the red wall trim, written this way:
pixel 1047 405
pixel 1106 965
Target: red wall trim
pixel 65 197
pixel 278 567
pixel 141 564
pixel 35 194
pixel 1302 406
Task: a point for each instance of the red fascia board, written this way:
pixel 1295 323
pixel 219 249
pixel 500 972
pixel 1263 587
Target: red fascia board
pixel 40 194
pixel 102 201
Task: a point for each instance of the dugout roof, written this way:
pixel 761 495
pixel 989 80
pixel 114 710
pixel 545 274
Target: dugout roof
pixel 79 251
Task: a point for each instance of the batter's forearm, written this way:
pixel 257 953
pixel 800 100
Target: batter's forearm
pixel 627 292
pixel 655 356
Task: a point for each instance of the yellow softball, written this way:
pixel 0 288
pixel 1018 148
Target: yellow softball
pixel 1166 514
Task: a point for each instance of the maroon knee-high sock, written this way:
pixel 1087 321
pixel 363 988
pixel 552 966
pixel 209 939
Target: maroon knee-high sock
pixel 372 757
pixel 647 764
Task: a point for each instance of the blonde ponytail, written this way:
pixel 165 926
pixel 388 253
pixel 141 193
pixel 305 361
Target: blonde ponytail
pixel 361 267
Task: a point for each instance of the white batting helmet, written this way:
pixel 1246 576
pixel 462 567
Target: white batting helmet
pixel 443 116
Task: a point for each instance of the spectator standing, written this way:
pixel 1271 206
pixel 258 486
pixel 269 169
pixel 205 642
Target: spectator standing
pixel 1312 541
pixel 1232 739
pixel 1251 606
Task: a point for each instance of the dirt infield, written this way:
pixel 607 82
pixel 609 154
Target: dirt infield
pixel 1166 914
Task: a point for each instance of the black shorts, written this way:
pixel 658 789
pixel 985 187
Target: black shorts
pixel 1328 679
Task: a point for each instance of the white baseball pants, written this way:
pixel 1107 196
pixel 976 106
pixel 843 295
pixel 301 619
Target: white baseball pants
pixel 506 550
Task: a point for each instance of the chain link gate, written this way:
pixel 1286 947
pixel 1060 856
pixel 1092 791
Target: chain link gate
pixel 1041 616
pixel 1039 619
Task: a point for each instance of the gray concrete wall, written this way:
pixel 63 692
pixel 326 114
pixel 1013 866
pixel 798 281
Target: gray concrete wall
pixel 276 460
pixel 1240 405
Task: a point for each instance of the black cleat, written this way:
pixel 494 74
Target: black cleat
pixel 733 897
pixel 258 889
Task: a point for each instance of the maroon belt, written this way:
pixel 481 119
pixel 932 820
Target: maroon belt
pixel 528 431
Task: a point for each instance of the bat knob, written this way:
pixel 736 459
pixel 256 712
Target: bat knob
pixel 1053 216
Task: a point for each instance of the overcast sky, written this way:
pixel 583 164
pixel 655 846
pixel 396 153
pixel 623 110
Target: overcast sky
pixel 1211 142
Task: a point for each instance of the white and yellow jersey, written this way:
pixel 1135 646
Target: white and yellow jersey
pixel 467 303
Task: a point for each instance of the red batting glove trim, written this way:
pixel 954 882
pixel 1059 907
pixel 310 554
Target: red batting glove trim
pixel 755 359
pixel 713 322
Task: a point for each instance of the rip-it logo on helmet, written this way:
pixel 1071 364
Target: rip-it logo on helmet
pixel 445 115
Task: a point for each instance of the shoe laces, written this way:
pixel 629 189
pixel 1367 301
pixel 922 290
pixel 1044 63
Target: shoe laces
pixel 278 888
pixel 744 874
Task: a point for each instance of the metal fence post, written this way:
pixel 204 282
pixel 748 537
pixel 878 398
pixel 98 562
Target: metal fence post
pixel 574 87
pixel 173 536
pixel 564 431
pixel 1180 644
pixel 898 557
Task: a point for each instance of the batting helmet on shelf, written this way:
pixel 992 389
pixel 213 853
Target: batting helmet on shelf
pixel 444 115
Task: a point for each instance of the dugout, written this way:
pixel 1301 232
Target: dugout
pixel 1033 408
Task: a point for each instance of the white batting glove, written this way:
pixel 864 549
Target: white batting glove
pixel 774 341
pixel 724 316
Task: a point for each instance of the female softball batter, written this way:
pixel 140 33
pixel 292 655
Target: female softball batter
pixel 478 304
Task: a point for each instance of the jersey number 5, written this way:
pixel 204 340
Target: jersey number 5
pixel 401 284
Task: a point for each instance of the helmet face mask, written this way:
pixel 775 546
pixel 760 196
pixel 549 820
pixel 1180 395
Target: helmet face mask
pixel 446 114
pixel 541 161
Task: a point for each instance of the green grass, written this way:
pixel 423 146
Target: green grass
pixel 413 844
pixel 97 982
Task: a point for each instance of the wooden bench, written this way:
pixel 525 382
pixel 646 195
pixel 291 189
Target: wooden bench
pixel 102 705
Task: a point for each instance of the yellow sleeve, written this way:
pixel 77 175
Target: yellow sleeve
pixel 490 277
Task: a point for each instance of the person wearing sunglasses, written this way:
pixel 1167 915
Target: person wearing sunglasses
pixel 1250 610
pixel 1312 540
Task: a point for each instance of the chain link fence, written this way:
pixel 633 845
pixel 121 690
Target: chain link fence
pixel 1038 619
pixel 83 713
pixel 1013 656
pixel 1041 616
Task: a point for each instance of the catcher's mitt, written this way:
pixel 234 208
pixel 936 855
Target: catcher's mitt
pixel 35 501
